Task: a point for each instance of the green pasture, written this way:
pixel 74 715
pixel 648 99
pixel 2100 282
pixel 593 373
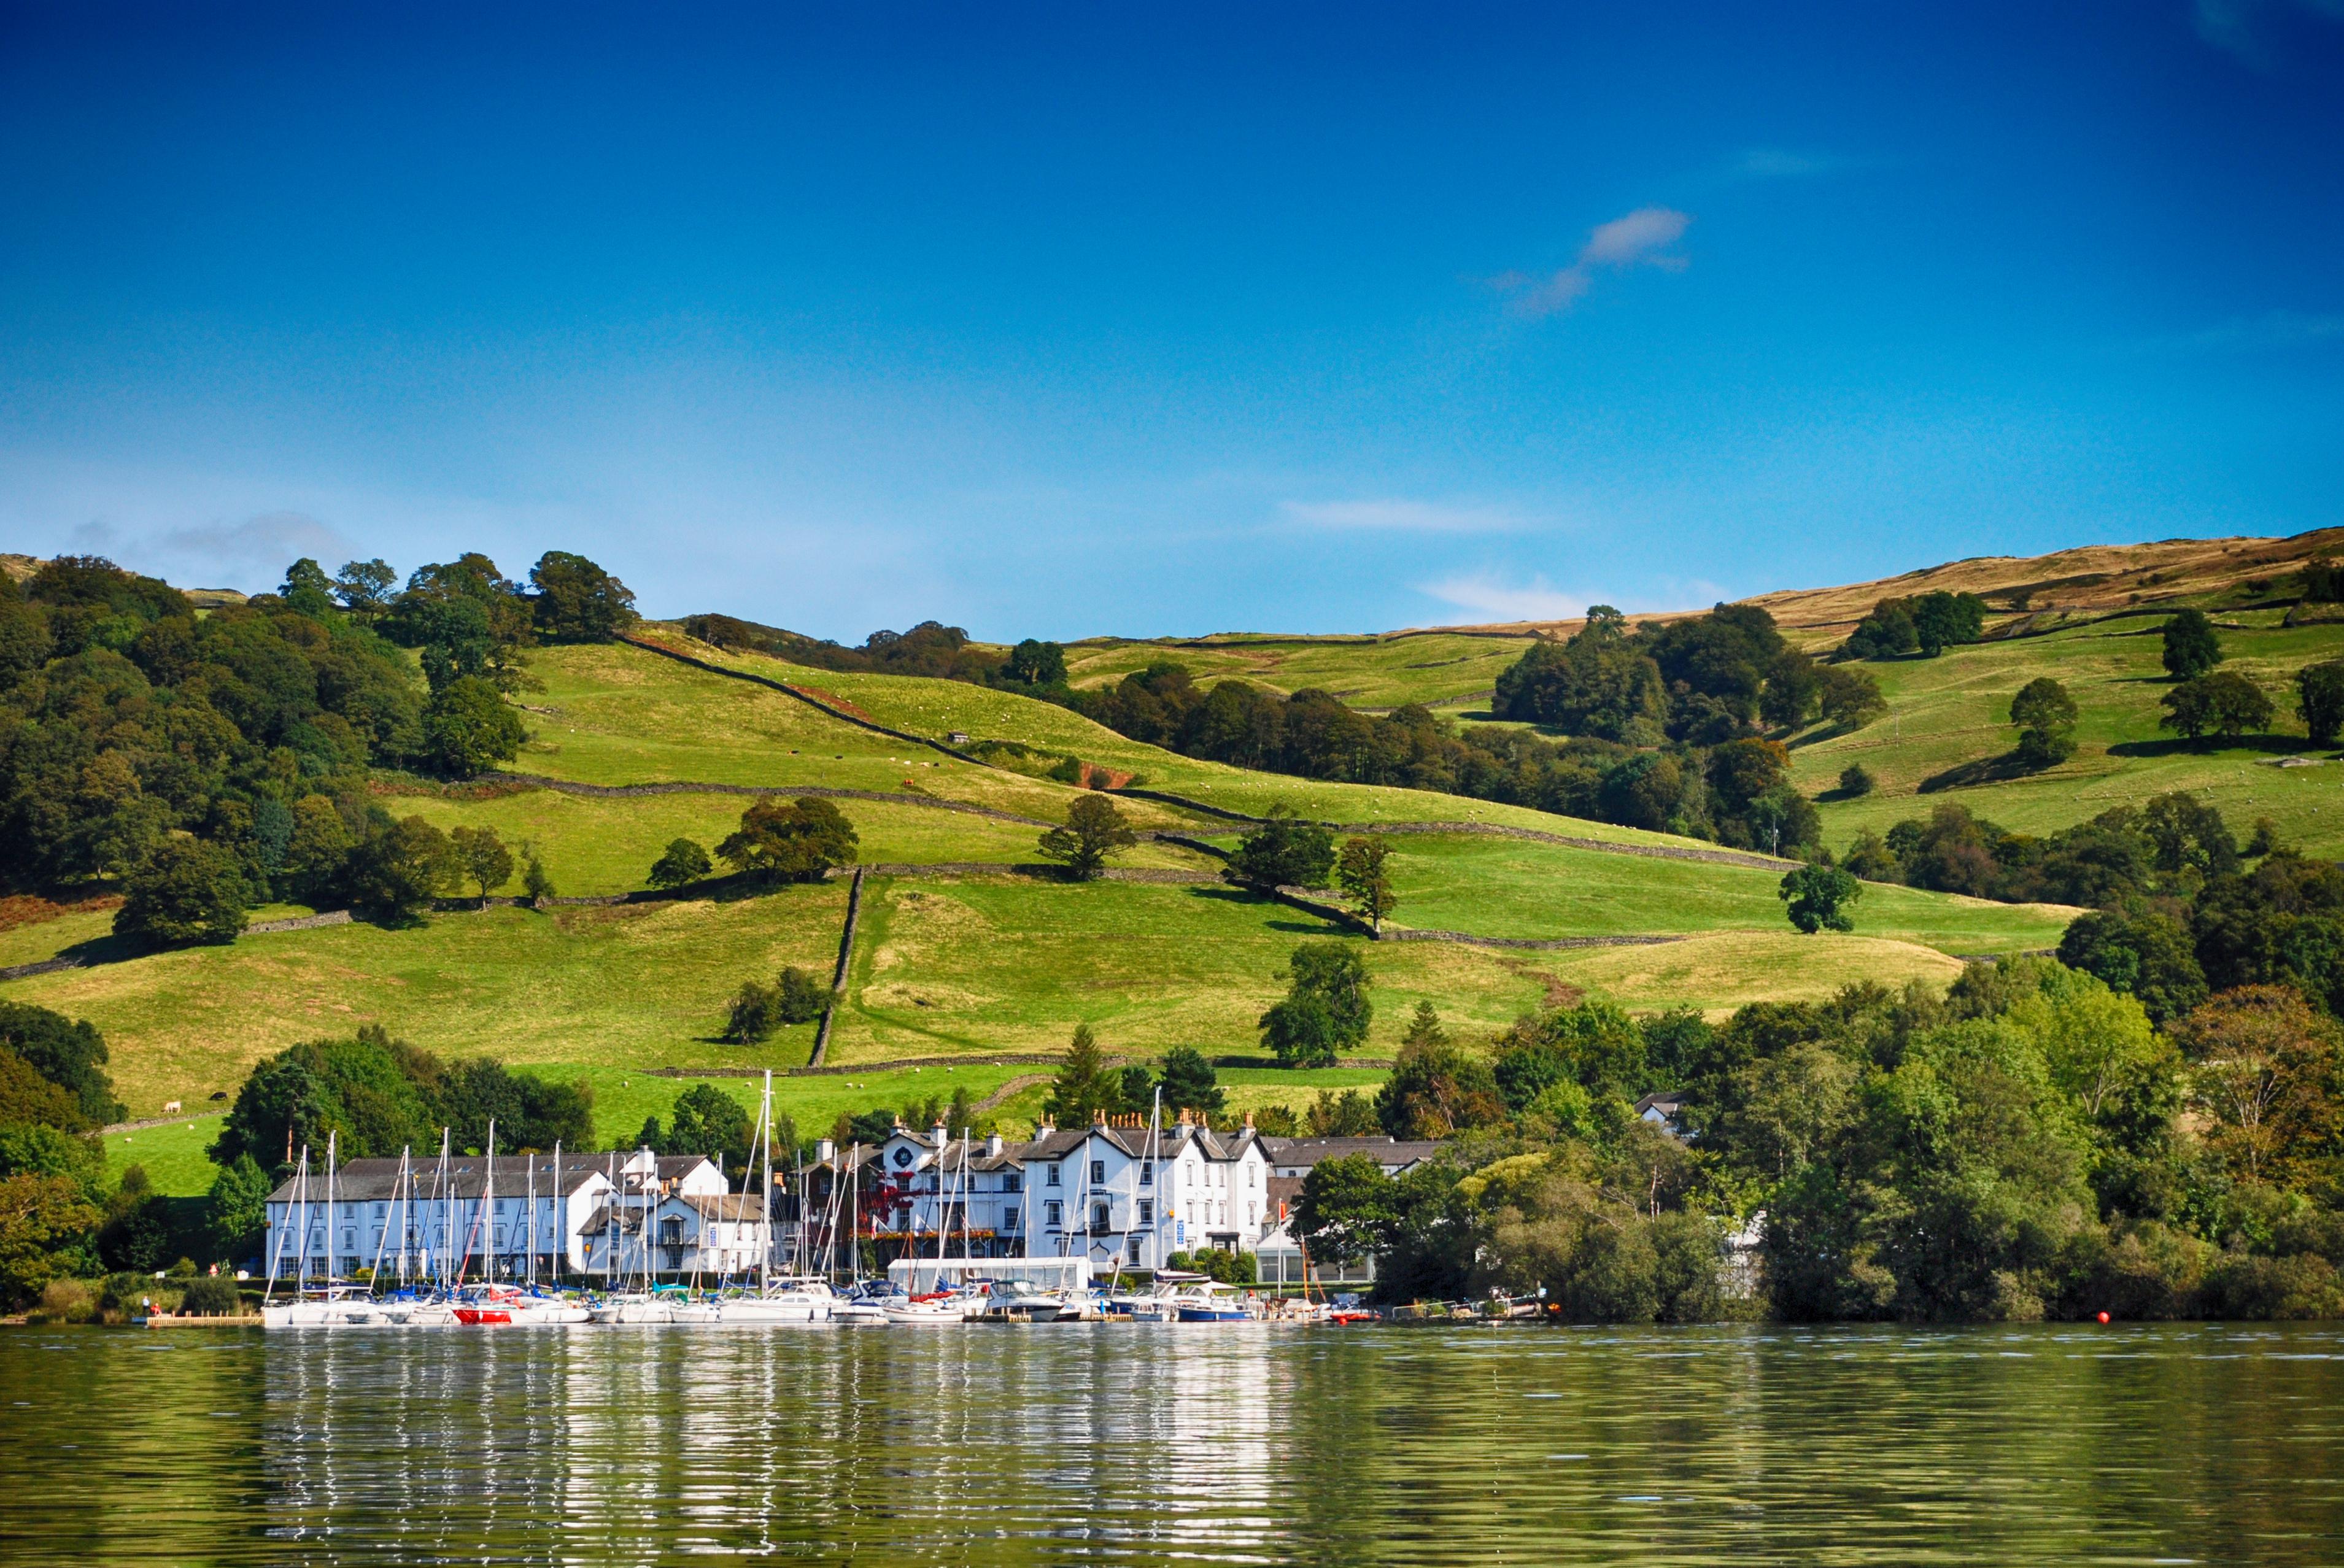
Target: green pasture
pixel 1514 887
pixel 1953 710
pixel 612 715
pixel 602 844
pixel 1431 667
pixel 635 985
pixel 939 708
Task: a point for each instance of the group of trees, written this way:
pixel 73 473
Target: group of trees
pixel 2030 1144
pixel 1926 623
pixel 1648 713
pixel 376 1096
pixel 930 649
pixel 795 997
pixel 1701 681
pixel 1087 1085
pixel 2166 849
pixel 372 1095
pixel 210 763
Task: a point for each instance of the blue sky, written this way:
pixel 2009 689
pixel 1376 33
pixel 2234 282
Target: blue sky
pixel 1057 321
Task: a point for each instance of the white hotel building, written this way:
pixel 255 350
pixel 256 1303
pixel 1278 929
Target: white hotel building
pixel 1108 1193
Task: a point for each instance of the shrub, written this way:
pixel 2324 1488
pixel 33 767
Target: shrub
pixel 1856 779
pixel 212 1296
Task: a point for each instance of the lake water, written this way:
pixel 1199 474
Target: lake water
pixel 1124 1443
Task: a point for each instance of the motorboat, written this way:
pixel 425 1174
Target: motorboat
pixel 1023 1301
pixel 1211 1302
pixel 786 1301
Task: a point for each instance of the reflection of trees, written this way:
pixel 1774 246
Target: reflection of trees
pixel 2026 1442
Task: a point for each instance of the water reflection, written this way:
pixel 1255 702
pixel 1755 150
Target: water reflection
pixel 1143 1444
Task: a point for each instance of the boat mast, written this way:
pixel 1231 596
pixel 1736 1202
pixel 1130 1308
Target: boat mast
pixel 332 1259
pixel 560 1213
pixel 301 1263
pixel 766 1253
pixel 380 1240
pixel 528 1264
pixel 447 1220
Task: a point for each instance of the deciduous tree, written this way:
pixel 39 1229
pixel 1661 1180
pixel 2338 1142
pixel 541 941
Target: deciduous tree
pixel 1095 829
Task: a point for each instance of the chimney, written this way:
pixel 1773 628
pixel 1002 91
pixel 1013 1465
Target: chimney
pixel 1047 1125
pixel 825 1151
pixel 992 1146
pixel 942 1136
pixel 1249 1122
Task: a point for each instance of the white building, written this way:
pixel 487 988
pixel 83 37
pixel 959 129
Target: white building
pixel 1112 1193
pixel 436 1220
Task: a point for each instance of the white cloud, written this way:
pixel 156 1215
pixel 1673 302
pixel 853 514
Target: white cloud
pixel 2276 329
pixel 217 554
pixel 1638 239
pixel 1538 600
pixel 1781 163
pixel 1399 516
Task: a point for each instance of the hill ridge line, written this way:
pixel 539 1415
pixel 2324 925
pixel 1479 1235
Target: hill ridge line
pixel 808 698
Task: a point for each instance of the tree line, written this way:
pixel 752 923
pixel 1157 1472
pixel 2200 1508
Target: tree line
pixel 2031 1143
pixel 208 762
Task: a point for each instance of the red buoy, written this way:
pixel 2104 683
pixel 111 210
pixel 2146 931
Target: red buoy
pixel 2104 1317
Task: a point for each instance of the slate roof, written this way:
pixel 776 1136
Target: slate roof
pixel 377 1180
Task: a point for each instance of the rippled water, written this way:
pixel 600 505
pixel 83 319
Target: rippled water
pixel 1130 1442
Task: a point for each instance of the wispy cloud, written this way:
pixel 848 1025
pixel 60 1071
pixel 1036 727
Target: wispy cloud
pixel 1399 516
pixel 1535 600
pixel 2273 329
pixel 2246 29
pixel 1639 238
pixel 215 553
pixel 1781 163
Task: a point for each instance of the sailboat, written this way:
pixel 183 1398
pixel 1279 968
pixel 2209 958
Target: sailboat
pixel 788 1299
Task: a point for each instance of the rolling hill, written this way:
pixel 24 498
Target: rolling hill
pixel 969 958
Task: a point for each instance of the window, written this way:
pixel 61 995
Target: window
pixel 1102 1217
pixel 1147 1173
pixel 1135 1249
pixel 1249 1176
pixel 1053 1177
pixel 1009 1218
pixel 1099 1171
pixel 1146 1211
pixel 1050 1215
pixel 378 1211
pixel 1013 1182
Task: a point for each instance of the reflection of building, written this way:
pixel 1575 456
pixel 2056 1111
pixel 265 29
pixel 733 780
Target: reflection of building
pixel 437 1220
pixel 1291 1160
pixel 1113 1192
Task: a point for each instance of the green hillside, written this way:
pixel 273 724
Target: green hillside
pixel 1953 711
pixel 1435 668
pixel 946 965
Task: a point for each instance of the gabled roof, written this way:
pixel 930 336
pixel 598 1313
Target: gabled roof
pixel 377 1180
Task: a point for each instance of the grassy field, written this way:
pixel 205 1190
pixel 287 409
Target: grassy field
pixel 937 708
pixel 594 846
pixel 1953 710
pixel 976 966
pixel 633 985
pixel 1433 667
pixel 1509 887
